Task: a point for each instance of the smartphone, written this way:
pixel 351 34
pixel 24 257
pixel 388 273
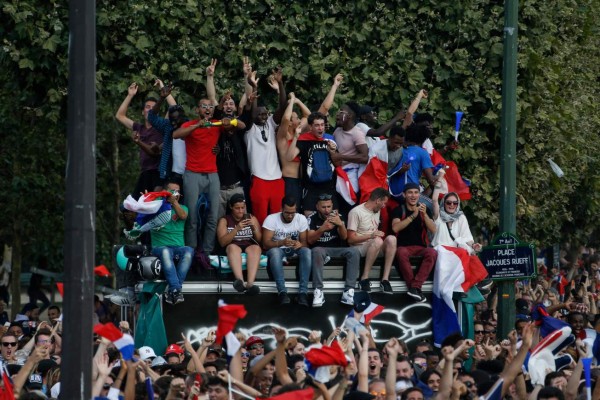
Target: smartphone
pixel 7 324
pixel 246 216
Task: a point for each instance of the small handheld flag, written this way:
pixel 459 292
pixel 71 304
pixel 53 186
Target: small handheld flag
pixel 122 341
pixel 459 115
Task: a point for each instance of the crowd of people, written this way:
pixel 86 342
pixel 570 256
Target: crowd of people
pixel 241 182
pixel 245 184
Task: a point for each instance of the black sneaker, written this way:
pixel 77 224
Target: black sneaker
pixel 485 284
pixel 386 287
pixel 284 298
pixel 238 285
pixel 365 285
pixel 303 299
pixel 414 293
pixel 422 298
pixel 169 298
pixel 253 290
pixel 485 291
pixel 178 297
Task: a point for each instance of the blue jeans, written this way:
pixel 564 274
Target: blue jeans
pixel 276 255
pixel 175 276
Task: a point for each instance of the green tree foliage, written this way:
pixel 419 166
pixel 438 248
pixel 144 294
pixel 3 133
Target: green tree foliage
pixel 387 51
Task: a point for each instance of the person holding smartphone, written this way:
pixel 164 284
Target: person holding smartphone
pixel 239 232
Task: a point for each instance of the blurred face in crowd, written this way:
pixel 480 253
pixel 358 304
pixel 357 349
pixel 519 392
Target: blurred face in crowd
pixel 299 349
pixel 174 358
pixel 9 347
pixel 421 362
pixel 262 116
pixel 288 213
pixel 470 384
pixel 434 382
pixel 257 349
pixel 479 333
pixel 147 107
pixel 404 370
pixel 16 330
pixel 451 204
pixel 238 210
pixel 377 389
pixel 490 331
pixel 577 322
pixel 432 361
pixel 245 357
pixel 559 382
pixel 217 392
pixel 211 370
pixel 324 208
pixel 519 327
pixel 375 363
pixel 318 127
pixel 413 394
pixel 264 380
pixel 53 314
pixel 379 204
pixel 395 142
pixel 205 109
pixel 229 107
pixel 294 121
pixel 412 197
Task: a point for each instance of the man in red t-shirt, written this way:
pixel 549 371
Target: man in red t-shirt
pixel 200 175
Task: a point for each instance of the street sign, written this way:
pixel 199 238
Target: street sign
pixel 508 258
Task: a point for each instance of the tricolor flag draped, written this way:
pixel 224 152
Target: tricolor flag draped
pixel 122 341
pixel 344 186
pixel 318 359
pixel 375 174
pixel 228 317
pixel 455 271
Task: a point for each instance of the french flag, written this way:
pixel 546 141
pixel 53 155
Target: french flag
pixel 455 271
pixel 370 312
pixel 545 356
pixel 319 358
pixel 6 391
pixel 228 317
pixel 122 341
pixel 344 186
pixel 375 173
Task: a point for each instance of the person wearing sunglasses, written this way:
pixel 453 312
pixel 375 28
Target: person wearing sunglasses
pixel 9 343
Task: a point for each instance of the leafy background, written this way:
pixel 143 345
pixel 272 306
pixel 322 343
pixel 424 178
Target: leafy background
pixel 387 52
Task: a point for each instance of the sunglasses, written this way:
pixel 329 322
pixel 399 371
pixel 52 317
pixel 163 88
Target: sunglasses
pixel 469 384
pixel 9 344
pixel 106 386
pixel 382 393
pixel 452 203
pixel 325 197
pixel 257 346
pixel 246 354
pixel 492 331
pixel 264 135
pixel 206 106
pixel 479 332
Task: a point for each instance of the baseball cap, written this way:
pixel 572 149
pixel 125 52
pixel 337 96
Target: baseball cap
pixel 411 185
pixel 174 349
pixel 361 301
pixel 146 352
pixel 252 340
pixel 158 361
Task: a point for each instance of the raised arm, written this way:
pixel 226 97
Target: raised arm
pixel 169 97
pixel 393 348
pixel 121 114
pixel 387 126
pixel 211 91
pixel 408 119
pixel 292 150
pixel 278 76
pixel 511 370
pixel 281 369
pixel 282 131
pixel 328 102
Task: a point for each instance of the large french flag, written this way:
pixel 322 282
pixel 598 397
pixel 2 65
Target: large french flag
pixel 455 271
pixel 375 173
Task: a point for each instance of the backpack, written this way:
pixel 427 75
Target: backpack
pixel 319 167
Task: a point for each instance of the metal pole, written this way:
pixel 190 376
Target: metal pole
pixel 508 149
pixel 80 198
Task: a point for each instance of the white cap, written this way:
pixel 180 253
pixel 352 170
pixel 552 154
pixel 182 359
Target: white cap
pixel 146 352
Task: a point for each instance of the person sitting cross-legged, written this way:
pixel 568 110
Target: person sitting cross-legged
pixel 168 245
pixel 239 232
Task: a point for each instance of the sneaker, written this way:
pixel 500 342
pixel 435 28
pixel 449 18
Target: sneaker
pixel 318 299
pixel 238 285
pixel 386 287
pixel 284 298
pixel 365 285
pixel 422 298
pixel 348 297
pixel 253 290
pixel 122 299
pixel 303 299
pixel 414 293
pixel 178 297
pixel 169 298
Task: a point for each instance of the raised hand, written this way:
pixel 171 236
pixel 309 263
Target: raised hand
pixel 132 89
pixel 210 70
pixel 278 75
pixel 337 81
pixel 246 66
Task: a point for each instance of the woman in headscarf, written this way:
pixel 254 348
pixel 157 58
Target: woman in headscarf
pixel 456 232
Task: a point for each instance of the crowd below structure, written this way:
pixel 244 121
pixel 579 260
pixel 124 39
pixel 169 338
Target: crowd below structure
pixel 245 185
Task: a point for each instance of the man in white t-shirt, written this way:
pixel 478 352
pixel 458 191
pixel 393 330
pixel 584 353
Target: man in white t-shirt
pixel 363 232
pixel 285 235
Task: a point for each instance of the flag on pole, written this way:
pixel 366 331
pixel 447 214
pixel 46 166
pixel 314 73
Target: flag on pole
pixel 122 341
pixel 228 317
